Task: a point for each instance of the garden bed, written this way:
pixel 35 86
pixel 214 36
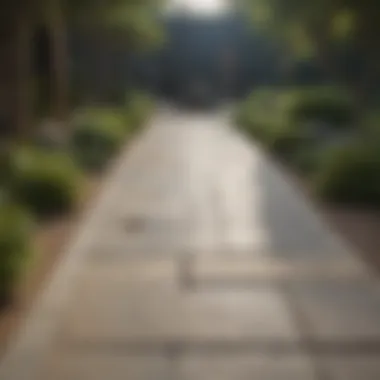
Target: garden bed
pixel 43 179
pixel 328 150
pixel 50 241
pixel 359 227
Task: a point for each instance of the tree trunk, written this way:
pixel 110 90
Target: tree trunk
pixel 59 81
pixel 23 75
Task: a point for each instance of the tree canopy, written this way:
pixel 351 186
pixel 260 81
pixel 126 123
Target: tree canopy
pixel 322 28
pixel 133 20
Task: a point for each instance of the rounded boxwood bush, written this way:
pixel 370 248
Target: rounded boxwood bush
pixel 327 105
pixel 15 247
pixel 138 108
pixel 350 174
pixel 47 183
pixel 306 159
pixel 284 139
pixel 97 135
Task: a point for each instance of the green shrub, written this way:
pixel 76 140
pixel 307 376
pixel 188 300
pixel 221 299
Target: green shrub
pixel 272 129
pixel 111 118
pixel 138 108
pixel 323 104
pixel 280 119
pixel 370 126
pixel 46 183
pixel 350 174
pixel 298 105
pixel 97 135
pixel 256 122
pixel 306 159
pixel 285 139
pixel 15 247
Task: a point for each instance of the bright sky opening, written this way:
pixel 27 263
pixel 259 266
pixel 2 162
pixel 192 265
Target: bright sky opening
pixel 200 7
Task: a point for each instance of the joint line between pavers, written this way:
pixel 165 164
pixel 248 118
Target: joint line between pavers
pixel 305 331
pixel 173 348
pixel 185 268
pixel 218 283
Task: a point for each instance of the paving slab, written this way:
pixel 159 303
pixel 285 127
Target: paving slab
pixel 110 365
pixel 120 253
pixel 107 305
pixel 295 227
pixel 232 315
pixel 196 187
pixel 340 311
pixel 255 268
pixel 246 366
pixel 353 367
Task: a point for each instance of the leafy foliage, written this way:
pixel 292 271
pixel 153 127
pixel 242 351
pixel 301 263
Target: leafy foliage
pixel 326 104
pixel 138 108
pixel 349 174
pixel 47 183
pixel 98 133
pixel 325 27
pixel 15 246
pixel 134 21
pixel 296 123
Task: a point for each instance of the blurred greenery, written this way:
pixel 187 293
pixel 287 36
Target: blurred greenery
pixel 37 56
pixel 349 174
pixel 316 132
pixel 135 21
pixel 138 108
pixel 322 29
pixel 15 246
pixel 98 133
pixel 47 183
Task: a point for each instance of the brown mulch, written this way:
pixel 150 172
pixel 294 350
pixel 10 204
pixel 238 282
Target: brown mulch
pixel 50 241
pixel 361 228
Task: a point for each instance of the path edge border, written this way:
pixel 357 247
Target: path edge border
pixel 24 357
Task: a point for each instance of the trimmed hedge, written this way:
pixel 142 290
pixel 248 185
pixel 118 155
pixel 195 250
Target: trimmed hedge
pixel 350 174
pixel 312 130
pixel 47 183
pixel 298 105
pixel 97 135
pixel 329 105
pixel 15 247
pixel 295 122
pixel 138 108
pixel 99 132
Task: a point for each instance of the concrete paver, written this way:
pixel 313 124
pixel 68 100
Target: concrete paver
pixel 246 367
pixel 202 262
pixel 100 366
pixel 353 367
pixel 250 268
pixel 341 310
pixel 131 311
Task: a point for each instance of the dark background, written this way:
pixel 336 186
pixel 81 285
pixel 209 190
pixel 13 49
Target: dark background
pixel 104 69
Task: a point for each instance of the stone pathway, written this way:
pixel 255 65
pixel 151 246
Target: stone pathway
pixel 201 262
